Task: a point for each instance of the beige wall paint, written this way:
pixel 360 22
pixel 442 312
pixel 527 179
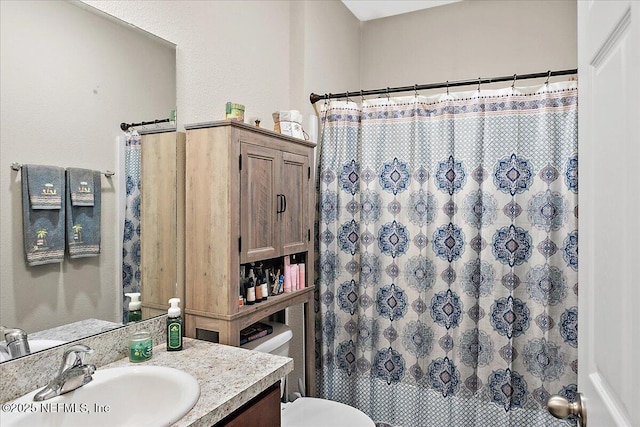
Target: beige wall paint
pixel 268 55
pixel 225 51
pixel 467 40
pixel 331 50
pixel 69 77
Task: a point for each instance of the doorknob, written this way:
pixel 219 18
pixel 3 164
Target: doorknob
pixel 561 408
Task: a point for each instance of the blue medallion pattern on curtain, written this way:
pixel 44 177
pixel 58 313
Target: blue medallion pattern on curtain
pixel 131 236
pixel 447 260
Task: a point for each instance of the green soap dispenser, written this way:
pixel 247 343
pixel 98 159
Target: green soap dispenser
pixel 135 307
pixel 174 326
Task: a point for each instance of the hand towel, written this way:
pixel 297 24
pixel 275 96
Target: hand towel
pixel 45 186
pixel 81 186
pixel 43 214
pixel 83 222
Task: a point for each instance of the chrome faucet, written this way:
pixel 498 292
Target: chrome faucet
pixel 72 375
pixel 16 342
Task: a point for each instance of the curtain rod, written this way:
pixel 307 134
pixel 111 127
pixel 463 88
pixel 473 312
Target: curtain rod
pixel 125 126
pixel 480 80
pixel 172 118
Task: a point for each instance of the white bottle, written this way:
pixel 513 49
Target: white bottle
pixel 135 307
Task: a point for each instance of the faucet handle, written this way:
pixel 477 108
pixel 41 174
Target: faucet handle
pixel 73 356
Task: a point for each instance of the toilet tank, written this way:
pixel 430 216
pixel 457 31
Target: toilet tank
pixel 276 342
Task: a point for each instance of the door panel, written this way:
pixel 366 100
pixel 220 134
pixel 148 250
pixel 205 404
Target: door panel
pixel 258 197
pixel 294 186
pixel 609 152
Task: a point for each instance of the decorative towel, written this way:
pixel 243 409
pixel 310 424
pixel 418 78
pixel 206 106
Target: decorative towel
pixel 45 186
pixel 83 222
pixel 81 186
pixel 43 214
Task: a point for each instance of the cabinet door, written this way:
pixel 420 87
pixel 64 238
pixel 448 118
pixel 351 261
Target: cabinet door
pixel 258 178
pixel 294 203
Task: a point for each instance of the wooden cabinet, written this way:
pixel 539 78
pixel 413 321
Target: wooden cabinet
pixel 249 197
pixel 274 202
pixel 161 220
pixel 262 411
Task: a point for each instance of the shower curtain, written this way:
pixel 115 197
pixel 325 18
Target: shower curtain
pixel 447 262
pixel 131 235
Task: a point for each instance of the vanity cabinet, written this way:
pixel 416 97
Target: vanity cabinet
pixel 262 411
pixel 249 196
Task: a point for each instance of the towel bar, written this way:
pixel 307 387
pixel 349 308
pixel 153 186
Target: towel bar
pixel 17 166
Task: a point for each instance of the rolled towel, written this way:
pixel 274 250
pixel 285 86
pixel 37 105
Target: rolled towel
pixel 43 214
pixel 83 222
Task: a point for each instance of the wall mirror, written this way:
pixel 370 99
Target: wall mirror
pixel 70 75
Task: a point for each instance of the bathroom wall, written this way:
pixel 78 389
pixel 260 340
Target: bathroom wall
pixel 69 77
pixel 226 51
pixel 326 45
pixel 469 39
pixel 268 55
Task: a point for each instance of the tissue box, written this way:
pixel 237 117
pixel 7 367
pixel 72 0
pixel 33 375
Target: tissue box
pixel 288 123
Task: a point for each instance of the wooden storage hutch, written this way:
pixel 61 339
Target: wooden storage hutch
pixel 249 197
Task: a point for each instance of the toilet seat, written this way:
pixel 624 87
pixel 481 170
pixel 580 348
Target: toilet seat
pixel 313 412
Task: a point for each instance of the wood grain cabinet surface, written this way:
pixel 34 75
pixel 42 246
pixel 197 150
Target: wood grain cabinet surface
pixel 249 196
pixel 161 220
pixel 274 203
pixel 262 411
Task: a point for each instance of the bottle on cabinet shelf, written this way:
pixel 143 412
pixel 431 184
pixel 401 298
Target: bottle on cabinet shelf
pixel 302 279
pixel 251 292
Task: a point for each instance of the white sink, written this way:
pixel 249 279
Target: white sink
pixel 126 396
pixel 34 345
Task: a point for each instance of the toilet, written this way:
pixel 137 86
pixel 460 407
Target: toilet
pixel 307 411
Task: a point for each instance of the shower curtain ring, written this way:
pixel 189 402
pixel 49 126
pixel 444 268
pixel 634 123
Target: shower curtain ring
pixel 479 80
pixel 388 97
pixel 513 85
pixel 361 96
pixel 447 87
pixel 548 76
pixel 415 90
pixel 348 100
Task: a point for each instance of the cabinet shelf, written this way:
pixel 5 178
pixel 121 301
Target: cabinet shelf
pixel 272 305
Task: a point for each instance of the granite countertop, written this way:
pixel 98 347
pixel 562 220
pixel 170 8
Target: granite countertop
pixel 75 331
pixel 228 376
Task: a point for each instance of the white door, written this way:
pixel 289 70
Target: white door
pixel 609 211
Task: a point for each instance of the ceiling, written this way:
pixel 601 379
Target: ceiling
pixel 366 10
